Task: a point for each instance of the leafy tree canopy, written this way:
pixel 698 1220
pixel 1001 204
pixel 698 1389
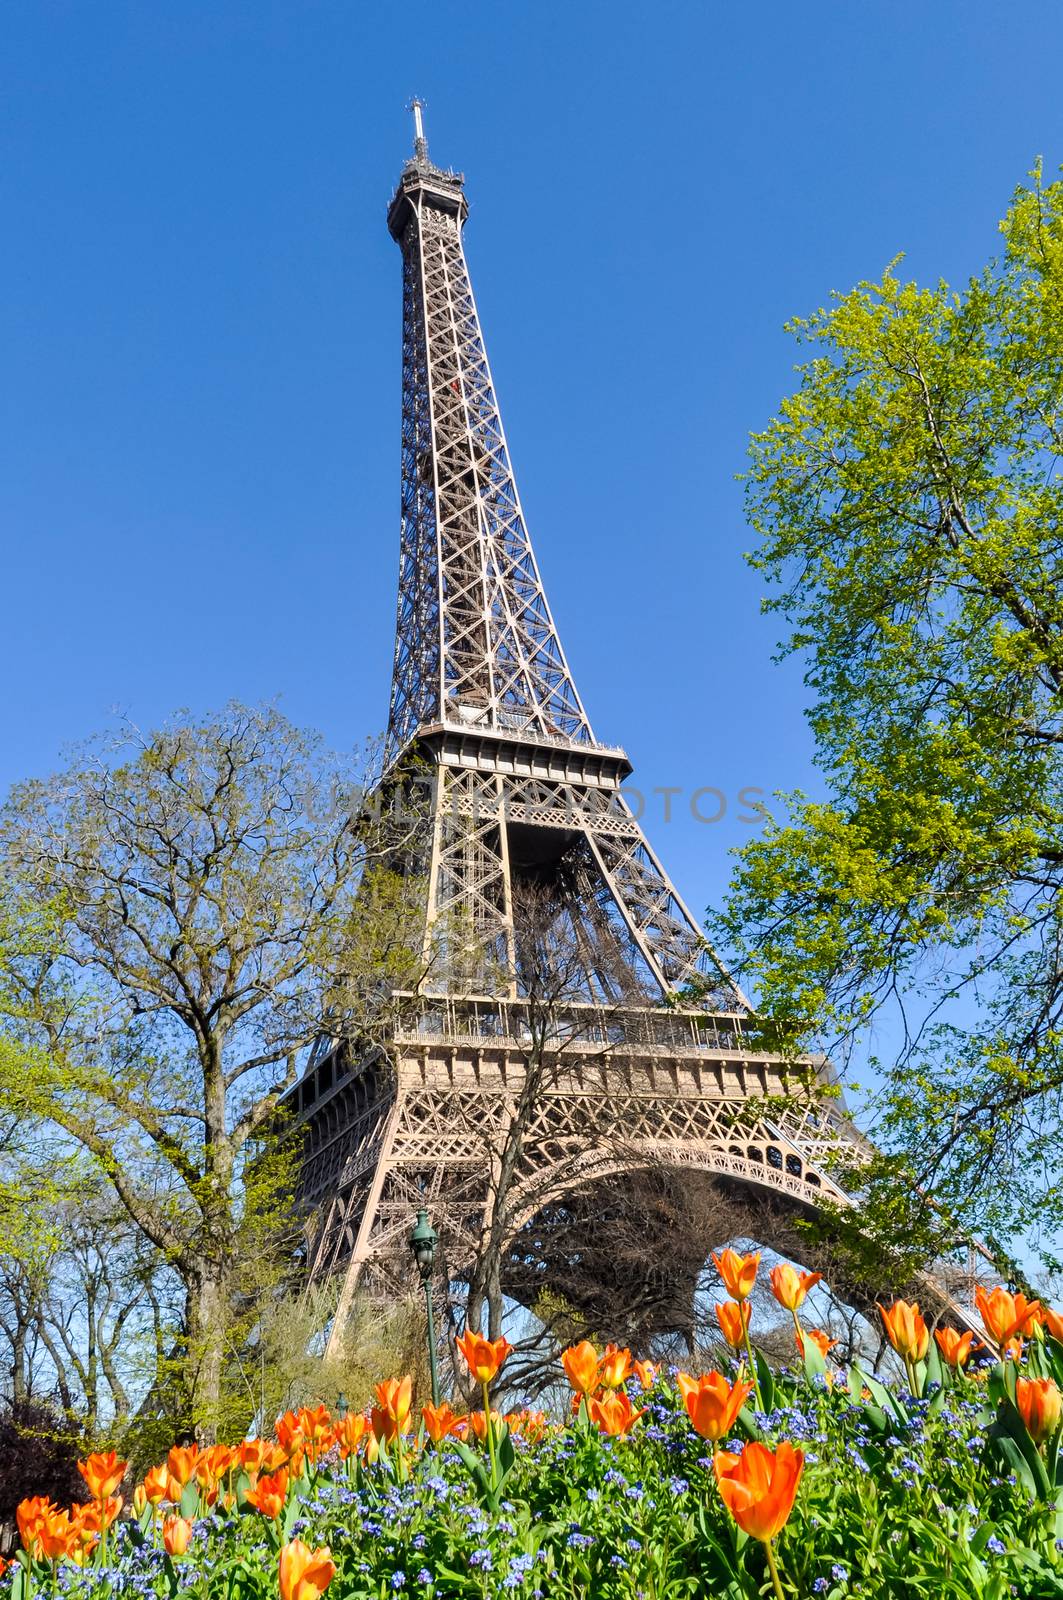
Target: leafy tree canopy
pixel 909 504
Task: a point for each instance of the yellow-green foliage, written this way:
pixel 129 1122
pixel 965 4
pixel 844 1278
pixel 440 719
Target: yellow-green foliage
pixel 909 504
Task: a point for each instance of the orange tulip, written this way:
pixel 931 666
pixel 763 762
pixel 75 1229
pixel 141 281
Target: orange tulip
pixel 174 1490
pixel 712 1403
pixel 316 1425
pixel 612 1412
pixel 140 1500
pixel 790 1286
pixel 30 1514
pixel 98 1515
pixel 350 1432
pixel 734 1322
pixel 270 1495
pixel 483 1357
pixel 395 1396
pixel 822 1341
pixel 1005 1315
pixel 531 1424
pixel 176 1532
pixel 906 1330
pixel 54 1534
pixel 955 1347
pixel 1012 1350
pixel 291 1441
pixel 1052 1322
pixel 83 1539
pixel 582 1366
pixel 390 1415
pixel 383 1427
pixel 287 1430
pixel 1040 1406
pixel 304 1573
pixel 155 1484
pixel 181 1462
pixel 759 1488
pixel 477 1422
pixel 213 1464
pixel 251 1455
pixel 616 1367
pixel 103 1474
pixel 439 1421
pixel 739 1273
pixel 317 1431
pixel 645 1372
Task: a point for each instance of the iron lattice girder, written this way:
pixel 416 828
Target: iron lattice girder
pixel 476 649
pixel 474 626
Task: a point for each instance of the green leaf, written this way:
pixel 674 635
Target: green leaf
pixel 1027 1467
pixel 766 1379
pixel 885 1399
pixel 814 1361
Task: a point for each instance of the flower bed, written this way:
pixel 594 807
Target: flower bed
pixel 654 1486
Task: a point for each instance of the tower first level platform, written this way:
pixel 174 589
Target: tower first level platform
pixel 421 1121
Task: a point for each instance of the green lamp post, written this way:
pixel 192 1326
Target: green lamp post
pixel 423 1246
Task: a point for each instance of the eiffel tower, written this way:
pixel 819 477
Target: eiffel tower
pixel 665 1065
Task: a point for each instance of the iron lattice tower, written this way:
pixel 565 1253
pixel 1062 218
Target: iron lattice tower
pixel 522 794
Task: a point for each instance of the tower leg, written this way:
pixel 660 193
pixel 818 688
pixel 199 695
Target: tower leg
pixel 360 1253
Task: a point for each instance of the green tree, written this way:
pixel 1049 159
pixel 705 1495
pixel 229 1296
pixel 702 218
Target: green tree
pixel 177 917
pixel 909 504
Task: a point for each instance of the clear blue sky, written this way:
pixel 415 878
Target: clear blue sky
pixel 199 326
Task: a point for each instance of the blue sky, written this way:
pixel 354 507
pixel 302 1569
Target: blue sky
pixel 200 312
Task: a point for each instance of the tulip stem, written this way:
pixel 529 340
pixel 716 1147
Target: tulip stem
pixel 800 1332
pixel 489 1430
pixel 774 1570
pixel 753 1367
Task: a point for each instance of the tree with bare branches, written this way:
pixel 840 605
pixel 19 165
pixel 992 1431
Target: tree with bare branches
pixel 174 913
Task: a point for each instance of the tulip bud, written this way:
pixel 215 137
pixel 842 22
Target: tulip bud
pixel 906 1330
pixel 616 1365
pixel 176 1532
pixel 1040 1406
pixel 739 1273
pixel 790 1286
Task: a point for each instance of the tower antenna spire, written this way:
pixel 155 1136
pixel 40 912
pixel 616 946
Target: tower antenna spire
pixel 420 143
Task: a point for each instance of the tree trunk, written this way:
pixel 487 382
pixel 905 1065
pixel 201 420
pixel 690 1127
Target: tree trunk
pixel 205 1303
pixel 19 1380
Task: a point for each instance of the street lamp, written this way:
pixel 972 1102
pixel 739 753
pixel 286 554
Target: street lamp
pixel 423 1246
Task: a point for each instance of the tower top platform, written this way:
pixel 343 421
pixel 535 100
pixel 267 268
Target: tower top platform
pixel 439 187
